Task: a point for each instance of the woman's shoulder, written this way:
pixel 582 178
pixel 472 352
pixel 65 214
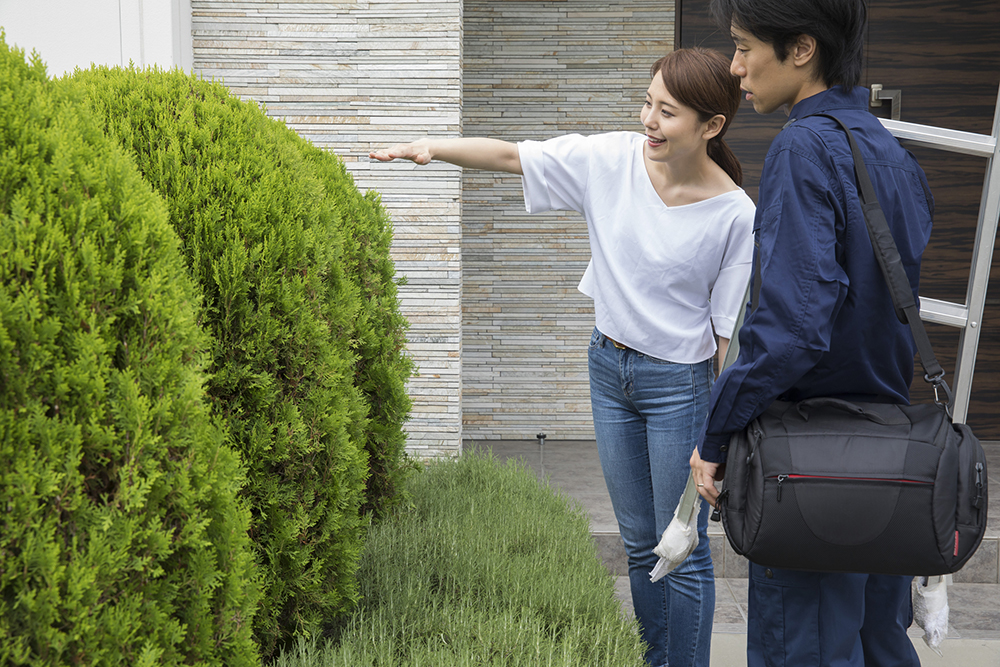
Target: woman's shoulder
pixel 619 140
pixel 743 201
pixel 610 142
pixel 606 147
pixel 734 205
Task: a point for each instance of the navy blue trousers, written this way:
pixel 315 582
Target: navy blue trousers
pixel 820 619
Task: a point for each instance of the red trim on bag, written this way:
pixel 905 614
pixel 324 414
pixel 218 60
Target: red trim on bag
pixel 956 542
pixel 860 479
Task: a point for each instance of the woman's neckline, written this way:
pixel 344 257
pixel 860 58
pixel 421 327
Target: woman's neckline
pixel 656 193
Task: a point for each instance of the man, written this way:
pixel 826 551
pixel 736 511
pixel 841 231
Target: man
pixel 824 323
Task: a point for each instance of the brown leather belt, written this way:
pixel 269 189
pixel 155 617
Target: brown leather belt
pixel 616 343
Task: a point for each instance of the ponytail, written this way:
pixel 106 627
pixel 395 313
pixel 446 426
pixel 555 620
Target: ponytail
pixel 724 156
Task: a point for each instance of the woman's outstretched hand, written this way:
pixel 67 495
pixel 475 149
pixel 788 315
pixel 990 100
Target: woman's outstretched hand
pixel 417 151
pixel 471 152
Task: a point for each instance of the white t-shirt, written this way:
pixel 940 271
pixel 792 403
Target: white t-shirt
pixel 659 275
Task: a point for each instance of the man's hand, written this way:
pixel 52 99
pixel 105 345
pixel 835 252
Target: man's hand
pixel 705 475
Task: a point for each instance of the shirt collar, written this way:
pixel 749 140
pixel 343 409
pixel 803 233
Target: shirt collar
pixel 829 100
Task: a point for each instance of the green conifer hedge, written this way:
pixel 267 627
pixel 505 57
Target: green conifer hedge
pixel 308 368
pixel 122 541
pixel 382 367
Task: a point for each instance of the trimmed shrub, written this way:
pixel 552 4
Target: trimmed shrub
pixel 122 541
pixel 382 366
pixel 265 237
pixel 490 567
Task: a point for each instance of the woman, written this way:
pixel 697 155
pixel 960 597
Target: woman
pixel 671 244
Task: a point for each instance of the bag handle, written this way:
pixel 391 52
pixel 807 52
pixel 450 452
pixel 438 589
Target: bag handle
pixel 891 265
pixel 827 402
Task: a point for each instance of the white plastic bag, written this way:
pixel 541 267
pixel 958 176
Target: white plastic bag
pixel 930 608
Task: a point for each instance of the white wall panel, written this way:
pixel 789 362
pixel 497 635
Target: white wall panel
pixel 80 33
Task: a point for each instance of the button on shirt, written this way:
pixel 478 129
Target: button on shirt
pixel 825 324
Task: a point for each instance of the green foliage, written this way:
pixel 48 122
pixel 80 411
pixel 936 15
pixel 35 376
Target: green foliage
pixel 382 367
pixel 489 568
pixel 266 222
pixel 122 541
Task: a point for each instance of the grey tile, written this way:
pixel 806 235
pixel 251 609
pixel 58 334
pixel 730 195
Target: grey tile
pixel 993 509
pixel 737 567
pixel 623 592
pixel 728 613
pixel 611 551
pixel 719 629
pixel 974 608
pixel 730 607
pixel 739 592
pixel 983 567
pixel 992 450
pixel 916 632
pixel 717 544
pixel 575 479
pixel 602 519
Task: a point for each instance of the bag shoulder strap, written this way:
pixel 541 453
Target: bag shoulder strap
pixel 891 265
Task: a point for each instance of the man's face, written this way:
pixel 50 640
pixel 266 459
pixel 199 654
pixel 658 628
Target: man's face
pixel 769 83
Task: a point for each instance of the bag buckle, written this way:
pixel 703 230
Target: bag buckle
pixel 937 381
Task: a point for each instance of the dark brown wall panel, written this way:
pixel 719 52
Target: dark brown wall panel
pixel 944 58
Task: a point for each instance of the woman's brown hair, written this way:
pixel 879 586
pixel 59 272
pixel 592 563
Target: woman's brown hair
pixel 700 78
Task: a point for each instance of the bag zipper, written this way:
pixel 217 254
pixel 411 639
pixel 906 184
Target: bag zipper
pixel 978 502
pixel 782 478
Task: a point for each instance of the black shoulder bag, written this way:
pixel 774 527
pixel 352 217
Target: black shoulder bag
pixel 834 486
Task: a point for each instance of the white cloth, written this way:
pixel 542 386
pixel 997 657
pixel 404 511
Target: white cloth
pixel 678 541
pixel 660 275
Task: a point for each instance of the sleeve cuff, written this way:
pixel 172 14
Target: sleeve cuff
pixel 536 199
pixel 724 326
pixel 714 448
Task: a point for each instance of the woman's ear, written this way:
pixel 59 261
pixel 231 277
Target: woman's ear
pixel 713 126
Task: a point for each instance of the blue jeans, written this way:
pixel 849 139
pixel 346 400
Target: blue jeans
pixel 647 416
pixel 821 619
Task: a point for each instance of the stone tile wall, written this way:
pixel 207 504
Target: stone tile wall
pixel 491 293
pixel 534 70
pixel 352 76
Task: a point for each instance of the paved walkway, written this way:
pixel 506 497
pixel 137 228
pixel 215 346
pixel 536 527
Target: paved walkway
pixel 573 467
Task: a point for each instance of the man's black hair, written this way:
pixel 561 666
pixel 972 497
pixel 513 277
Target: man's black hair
pixel 838 26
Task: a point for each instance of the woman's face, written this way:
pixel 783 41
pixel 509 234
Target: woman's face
pixel 672 129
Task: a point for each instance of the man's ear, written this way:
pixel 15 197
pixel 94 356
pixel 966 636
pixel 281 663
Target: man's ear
pixel 805 50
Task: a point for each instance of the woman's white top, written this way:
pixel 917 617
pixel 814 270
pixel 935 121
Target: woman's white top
pixel 659 275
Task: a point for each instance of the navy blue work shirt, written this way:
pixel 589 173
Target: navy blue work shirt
pixel 825 324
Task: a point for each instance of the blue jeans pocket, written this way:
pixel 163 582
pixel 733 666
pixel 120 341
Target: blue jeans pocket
pixel 595 339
